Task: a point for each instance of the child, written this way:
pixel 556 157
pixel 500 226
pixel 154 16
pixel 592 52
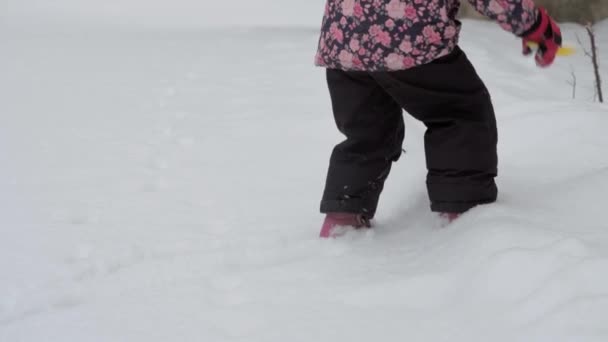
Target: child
pixel 383 56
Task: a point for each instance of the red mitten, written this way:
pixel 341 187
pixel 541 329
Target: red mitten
pixel 547 35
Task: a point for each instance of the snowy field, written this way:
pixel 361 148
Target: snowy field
pixel 163 185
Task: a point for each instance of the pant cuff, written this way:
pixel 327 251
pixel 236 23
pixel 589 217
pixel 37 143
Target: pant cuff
pixel 352 205
pixel 456 207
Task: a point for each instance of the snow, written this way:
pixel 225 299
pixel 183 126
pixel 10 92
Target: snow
pixel 163 13
pixel 164 184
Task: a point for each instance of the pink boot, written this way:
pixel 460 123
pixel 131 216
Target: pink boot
pixel 336 220
pixel 449 217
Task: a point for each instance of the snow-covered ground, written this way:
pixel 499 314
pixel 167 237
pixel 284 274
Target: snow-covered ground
pixel 163 185
pixel 163 13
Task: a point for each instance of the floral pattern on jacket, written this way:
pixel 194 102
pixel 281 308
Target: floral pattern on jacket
pixel 390 35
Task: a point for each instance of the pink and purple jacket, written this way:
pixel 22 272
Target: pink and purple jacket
pixel 390 35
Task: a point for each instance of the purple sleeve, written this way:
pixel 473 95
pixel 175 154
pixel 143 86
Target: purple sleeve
pixel 516 16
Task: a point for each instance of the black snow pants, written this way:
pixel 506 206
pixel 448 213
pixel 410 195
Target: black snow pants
pixel 452 101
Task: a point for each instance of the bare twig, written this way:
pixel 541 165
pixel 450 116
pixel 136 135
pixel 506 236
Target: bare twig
pixel 573 82
pixel 594 60
pixel 580 42
pixel 578 39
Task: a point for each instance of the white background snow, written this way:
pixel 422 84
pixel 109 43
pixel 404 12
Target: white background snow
pixel 160 181
pixel 165 13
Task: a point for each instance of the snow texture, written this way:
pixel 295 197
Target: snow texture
pixel 164 13
pixel 163 185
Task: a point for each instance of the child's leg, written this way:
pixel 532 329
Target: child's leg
pixel 449 97
pixel 373 125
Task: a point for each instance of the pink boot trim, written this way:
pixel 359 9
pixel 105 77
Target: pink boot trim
pixel 333 220
pixel 449 217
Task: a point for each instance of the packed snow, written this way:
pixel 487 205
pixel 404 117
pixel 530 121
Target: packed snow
pixel 163 185
pixel 164 13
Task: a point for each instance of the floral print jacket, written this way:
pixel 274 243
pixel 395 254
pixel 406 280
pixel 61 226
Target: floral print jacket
pixel 389 35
